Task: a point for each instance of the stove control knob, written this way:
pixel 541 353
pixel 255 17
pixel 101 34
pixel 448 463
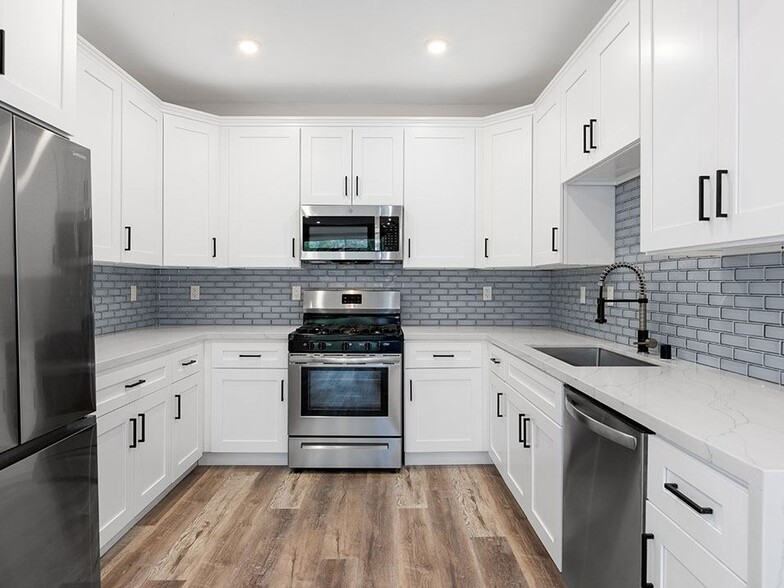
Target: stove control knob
pixel 367 346
pixel 309 345
pixel 322 346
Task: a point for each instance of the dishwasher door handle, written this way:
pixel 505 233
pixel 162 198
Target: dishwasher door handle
pixel 619 437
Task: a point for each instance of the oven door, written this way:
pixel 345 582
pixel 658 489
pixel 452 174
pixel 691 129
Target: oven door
pixel 345 396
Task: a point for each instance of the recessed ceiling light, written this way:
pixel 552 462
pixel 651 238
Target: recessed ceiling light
pixel 436 46
pixel 248 46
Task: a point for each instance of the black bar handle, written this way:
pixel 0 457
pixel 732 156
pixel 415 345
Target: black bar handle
pixel 704 510
pixel 495 360
pixel 142 418
pixel 282 384
pixel 411 390
pixel 585 138
pixel 498 405
pixel 644 583
pixel 2 52
pixel 409 248
pixel 525 441
pixel 443 355
pixel 137 383
pixel 486 242
pixel 243 355
pixel 128 235
pixel 187 363
pixel 719 183
pixel 345 185
pixel 293 247
pixel 554 233
pixel 520 429
pixel 178 397
pixel 356 191
pixel 133 444
pixel 702 216
pixel 591 124
pixel 214 247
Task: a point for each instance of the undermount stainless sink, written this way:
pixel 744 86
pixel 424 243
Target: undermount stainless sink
pixel 593 357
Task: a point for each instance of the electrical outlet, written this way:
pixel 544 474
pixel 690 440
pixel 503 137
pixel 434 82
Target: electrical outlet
pixel 134 293
pixel 296 292
pixel 195 292
pixel 610 295
pixel 582 294
pixel 487 293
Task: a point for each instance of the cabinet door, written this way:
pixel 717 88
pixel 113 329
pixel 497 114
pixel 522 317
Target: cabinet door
pixel 39 54
pixel 518 467
pixel 498 423
pixel 326 165
pixel 444 410
pixel 680 79
pixel 378 166
pixel 439 197
pixel 249 413
pixel 191 194
pixel 578 112
pixel 263 197
pixel 506 197
pixel 115 472
pixel 98 124
pixel 186 419
pixel 675 560
pixel 547 192
pixel 617 66
pixel 152 465
pixel 142 206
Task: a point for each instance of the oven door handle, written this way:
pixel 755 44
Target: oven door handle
pixel 346 361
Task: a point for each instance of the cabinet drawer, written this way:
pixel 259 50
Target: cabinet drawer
pixel 251 354
pixel 498 360
pixel 724 531
pixel 119 387
pixel 542 390
pixel 446 354
pixel 186 362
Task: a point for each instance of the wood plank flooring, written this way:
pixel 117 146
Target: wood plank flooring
pixel 268 526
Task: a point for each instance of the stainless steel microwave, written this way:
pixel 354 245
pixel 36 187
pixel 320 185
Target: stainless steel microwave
pixel 352 234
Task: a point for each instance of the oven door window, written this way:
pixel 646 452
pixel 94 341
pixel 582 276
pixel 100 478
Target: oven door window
pixel 345 391
pixel 339 233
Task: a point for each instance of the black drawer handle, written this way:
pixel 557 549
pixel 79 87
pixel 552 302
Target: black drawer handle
pixel 671 487
pixel 187 363
pixel 702 215
pixel 245 355
pixel 719 184
pixel 214 247
pixel 137 383
pixel 443 355
pixel 555 247
pixel 495 361
pixel 178 397
pixel 142 419
pixel 592 122
pixel 486 242
pixel 644 581
pixel 498 405
pixel 585 138
pixel 523 437
pixel 133 444
pixel 128 234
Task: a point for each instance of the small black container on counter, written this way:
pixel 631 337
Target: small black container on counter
pixel 665 351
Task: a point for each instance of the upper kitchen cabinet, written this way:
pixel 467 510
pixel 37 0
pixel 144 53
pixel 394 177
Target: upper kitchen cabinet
pixel 192 207
pixel 263 184
pixel 600 94
pixel 439 211
pixel 98 124
pixel 546 215
pixel 506 194
pixel 142 205
pixel 352 166
pixel 38 66
pixel 706 75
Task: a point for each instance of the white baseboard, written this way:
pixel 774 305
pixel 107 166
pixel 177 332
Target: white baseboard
pixel 449 458
pixel 244 459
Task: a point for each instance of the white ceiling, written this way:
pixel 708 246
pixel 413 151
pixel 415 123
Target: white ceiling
pixel 334 57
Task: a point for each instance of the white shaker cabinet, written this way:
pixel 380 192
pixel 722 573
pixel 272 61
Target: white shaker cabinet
pixel 38 74
pixel 115 471
pixel 263 184
pixel 440 166
pixel 98 127
pixel 579 120
pixel 186 419
pixel 506 194
pixel 142 204
pixel 152 467
pixel 547 228
pixel 192 207
pixel 377 165
pixel 326 165
pixel 499 396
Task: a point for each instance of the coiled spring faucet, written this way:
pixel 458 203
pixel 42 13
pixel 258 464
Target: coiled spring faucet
pixel 644 342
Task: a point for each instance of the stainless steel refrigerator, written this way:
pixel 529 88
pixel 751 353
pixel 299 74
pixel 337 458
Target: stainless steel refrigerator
pixel 48 465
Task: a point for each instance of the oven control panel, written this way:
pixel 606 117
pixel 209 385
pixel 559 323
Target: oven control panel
pixel 345 347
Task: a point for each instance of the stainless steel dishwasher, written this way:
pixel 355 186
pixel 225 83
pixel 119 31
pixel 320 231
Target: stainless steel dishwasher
pixel 604 495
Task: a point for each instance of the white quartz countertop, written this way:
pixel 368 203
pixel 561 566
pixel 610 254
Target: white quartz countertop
pixel 734 422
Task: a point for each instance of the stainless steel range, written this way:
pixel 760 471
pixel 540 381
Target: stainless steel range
pixel 346 381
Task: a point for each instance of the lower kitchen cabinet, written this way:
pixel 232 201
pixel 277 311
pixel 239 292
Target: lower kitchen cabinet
pixel 499 394
pixel 186 419
pixel 152 470
pixel 249 410
pixel 443 410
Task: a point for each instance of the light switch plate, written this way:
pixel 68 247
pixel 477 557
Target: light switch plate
pixel 610 295
pixel 487 293
pixel 195 292
pixel 296 292
pixel 582 294
pixel 134 293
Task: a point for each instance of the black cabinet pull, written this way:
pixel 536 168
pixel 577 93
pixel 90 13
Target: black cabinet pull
pixel 520 432
pixel 293 247
pixel 178 397
pixel 409 248
pixel 671 487
pixel 702 216
pixel 250 355
pixel 356 191
pixel 282 384
pixel 187 363
pixel 2 52
pixel 585 139
pixel 345 185
pixel 591 124
pixel 525 420
pixel 554 246
pixel 142 419
pixel 644 580
pixel 495 361
pixel 498 405
pixel 128 238
pixel 443 355
pixel 214 247
pixel 133 444
pixel 486 242
pixel 411 390
pixel 137 383
pixel 719 184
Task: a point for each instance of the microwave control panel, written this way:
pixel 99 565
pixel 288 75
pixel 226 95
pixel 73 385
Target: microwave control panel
pixel 390 233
